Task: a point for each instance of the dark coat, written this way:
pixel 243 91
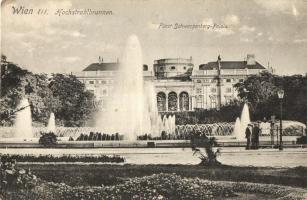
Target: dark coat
pixel 255 134
pixel 247 133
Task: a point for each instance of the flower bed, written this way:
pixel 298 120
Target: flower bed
pixel 63 158
pixel 159 186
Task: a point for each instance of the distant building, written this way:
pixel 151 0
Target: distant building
pixel 179 86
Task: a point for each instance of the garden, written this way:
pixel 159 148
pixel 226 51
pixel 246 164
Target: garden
pixel 40 177
pixel 157 182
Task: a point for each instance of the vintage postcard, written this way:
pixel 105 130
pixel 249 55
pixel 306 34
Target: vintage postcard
pixel 153 99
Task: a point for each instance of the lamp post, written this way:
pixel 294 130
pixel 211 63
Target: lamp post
pixel 280 94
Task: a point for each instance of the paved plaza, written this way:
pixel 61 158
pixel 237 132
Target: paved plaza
pixel 237 156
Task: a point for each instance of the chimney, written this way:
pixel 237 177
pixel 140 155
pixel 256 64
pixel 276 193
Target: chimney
pixel 100 59
pixel 250 59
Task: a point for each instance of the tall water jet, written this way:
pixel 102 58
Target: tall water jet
pixel 152 113
pixel 245 120
pixel 23 120
pixel 51 123
pixel 126 111
pixel 237 128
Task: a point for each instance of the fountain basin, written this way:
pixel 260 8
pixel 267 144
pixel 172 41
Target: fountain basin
pixel 224 141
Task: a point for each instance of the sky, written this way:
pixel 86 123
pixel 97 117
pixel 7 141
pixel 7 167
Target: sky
pixel 275 31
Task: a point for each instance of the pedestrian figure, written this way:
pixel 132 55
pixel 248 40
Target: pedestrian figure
pixel 248 135
pixel 255 136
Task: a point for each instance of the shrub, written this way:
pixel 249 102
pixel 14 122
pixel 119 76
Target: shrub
pixel 201 140
pixel 48 139
pixel 64 158
pixel 13 178
pixel 302 140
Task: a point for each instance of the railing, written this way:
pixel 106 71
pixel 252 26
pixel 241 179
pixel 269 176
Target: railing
pixel 181 131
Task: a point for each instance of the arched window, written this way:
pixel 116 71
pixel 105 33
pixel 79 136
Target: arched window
pixel 173 68
pixel 172 101
pixel 184 101
pixel 161 101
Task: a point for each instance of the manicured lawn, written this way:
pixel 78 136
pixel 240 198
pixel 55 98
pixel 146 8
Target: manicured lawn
pixel 96 175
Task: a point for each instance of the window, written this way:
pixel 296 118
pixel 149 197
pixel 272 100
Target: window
pixel 184 67
pixel 213 90
pixel 241 80
pixel 213 81
pixel 198 81
pixel 173 67
pixel 199 101
pixel 161 101
pixel 91 82
pixel 228 90
pixel 161 68
pixel 104 92
pixel 213 103
pixel 206 80
pixel 228 80
pixel 198 90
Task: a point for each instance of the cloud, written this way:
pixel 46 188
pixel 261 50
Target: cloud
pixel 246 29
pixel 282 6
pixel 294 11
pixel 224 31
pixel 259 34
pixel 231 20
pixel 76 34
pixel 302 40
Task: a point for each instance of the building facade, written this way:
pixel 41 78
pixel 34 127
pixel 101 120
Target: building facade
pixel 178 84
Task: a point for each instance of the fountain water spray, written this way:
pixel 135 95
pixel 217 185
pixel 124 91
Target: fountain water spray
pixel 51 123
pixel 23 121
pixel 245 120
pixel 128 110
pixel 237 128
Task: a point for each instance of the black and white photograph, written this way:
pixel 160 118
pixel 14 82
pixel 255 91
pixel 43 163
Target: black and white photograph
pixel 153 100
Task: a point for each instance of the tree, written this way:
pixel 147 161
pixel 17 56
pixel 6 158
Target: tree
pixel 260 91
pixel 18 83
pixel 62 94
pixel 72 102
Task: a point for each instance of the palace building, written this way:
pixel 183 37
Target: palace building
pixel 179 85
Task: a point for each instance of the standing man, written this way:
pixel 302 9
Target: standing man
pixel 248 136
pixel 255 136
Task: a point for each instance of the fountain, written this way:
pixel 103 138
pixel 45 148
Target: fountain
pixel 51 123
pixel 167 124
pixel 245 120
pixel 237 128
pixel 128 110
pixel 23 121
